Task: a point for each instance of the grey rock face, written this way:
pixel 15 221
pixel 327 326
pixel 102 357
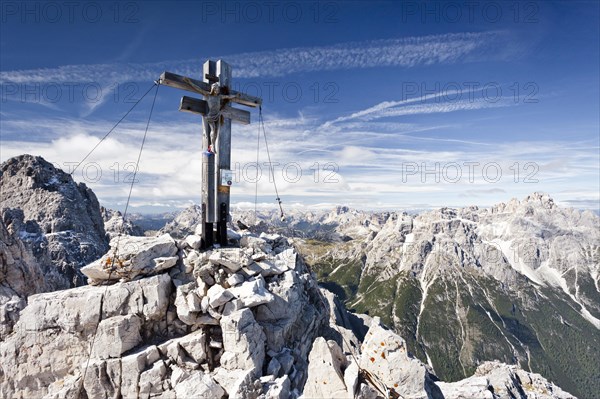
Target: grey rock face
pixel 497 380
pixel 20 276
pixel 51 341
pixel 58 215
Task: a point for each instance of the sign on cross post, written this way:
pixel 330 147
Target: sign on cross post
pixel 217 115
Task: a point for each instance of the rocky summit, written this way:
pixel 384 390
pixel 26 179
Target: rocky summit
pixel 54 217
pixel 165 320
pixel 160 318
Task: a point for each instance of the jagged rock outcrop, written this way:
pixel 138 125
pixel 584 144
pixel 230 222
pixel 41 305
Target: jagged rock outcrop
pixel 384 368
pixel 115 224
pixel 498 380
pixel 58 217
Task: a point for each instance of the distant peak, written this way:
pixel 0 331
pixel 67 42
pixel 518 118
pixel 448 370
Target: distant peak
pixel 536 200
pixel 21 161
pixel 29 171
pixel 540 198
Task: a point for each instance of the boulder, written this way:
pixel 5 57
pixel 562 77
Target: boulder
pixel 235 279
pixel 326 365
pixel 233 259
pixel 194 241
pixel 240 383
pixel 274 367
pixel 136 256
pixel 385 356
pixel 103 378
pixel 256 243
pixel 252 293
pixel 189 347
pixel 199 385
pixel 187 303
pixel 153 382
pixel 218 296
pixel 277 389
pixel 243 342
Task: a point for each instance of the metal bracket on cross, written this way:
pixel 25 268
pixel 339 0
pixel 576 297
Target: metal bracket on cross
pixel 217 114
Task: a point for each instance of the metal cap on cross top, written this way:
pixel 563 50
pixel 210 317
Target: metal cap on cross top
pixel 217 114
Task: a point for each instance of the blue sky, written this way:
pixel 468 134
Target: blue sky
pixel 376 105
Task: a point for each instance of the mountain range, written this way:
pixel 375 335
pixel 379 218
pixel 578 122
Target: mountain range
pixel 487 300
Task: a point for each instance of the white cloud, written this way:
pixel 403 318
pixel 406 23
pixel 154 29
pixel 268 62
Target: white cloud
pixel 403 52
pixel 365 176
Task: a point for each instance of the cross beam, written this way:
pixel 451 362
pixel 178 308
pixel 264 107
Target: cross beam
pixel 200 87
pixel 197 106
pixel 217 115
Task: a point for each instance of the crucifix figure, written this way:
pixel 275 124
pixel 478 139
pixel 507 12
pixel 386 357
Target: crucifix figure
pixel 217 115
pixel 215 103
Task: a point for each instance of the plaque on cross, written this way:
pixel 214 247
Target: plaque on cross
pixel 217 114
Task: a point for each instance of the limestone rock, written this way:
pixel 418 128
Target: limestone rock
pixel 137 256
pixel 187 304
pixel 152 381
pixel 199 385
pixel 235 279
pixel 240 383
pixel 21 275
pixel 495 379
pixel 194 241
pixel 326 365
pixel 103 378
pixel 384 355
pixel 116 335
pixel 274 367
pixel 53 336
pixel 252 293
pixel 217 296
pixel 231 258
pixel 243 341
pixel 257 243
pixel 277 389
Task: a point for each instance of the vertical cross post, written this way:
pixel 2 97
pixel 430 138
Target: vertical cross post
pixel 223 161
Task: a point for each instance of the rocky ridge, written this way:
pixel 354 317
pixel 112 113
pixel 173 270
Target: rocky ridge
pixel 249 321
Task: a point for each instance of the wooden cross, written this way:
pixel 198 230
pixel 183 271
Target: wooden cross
pixel 216 164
